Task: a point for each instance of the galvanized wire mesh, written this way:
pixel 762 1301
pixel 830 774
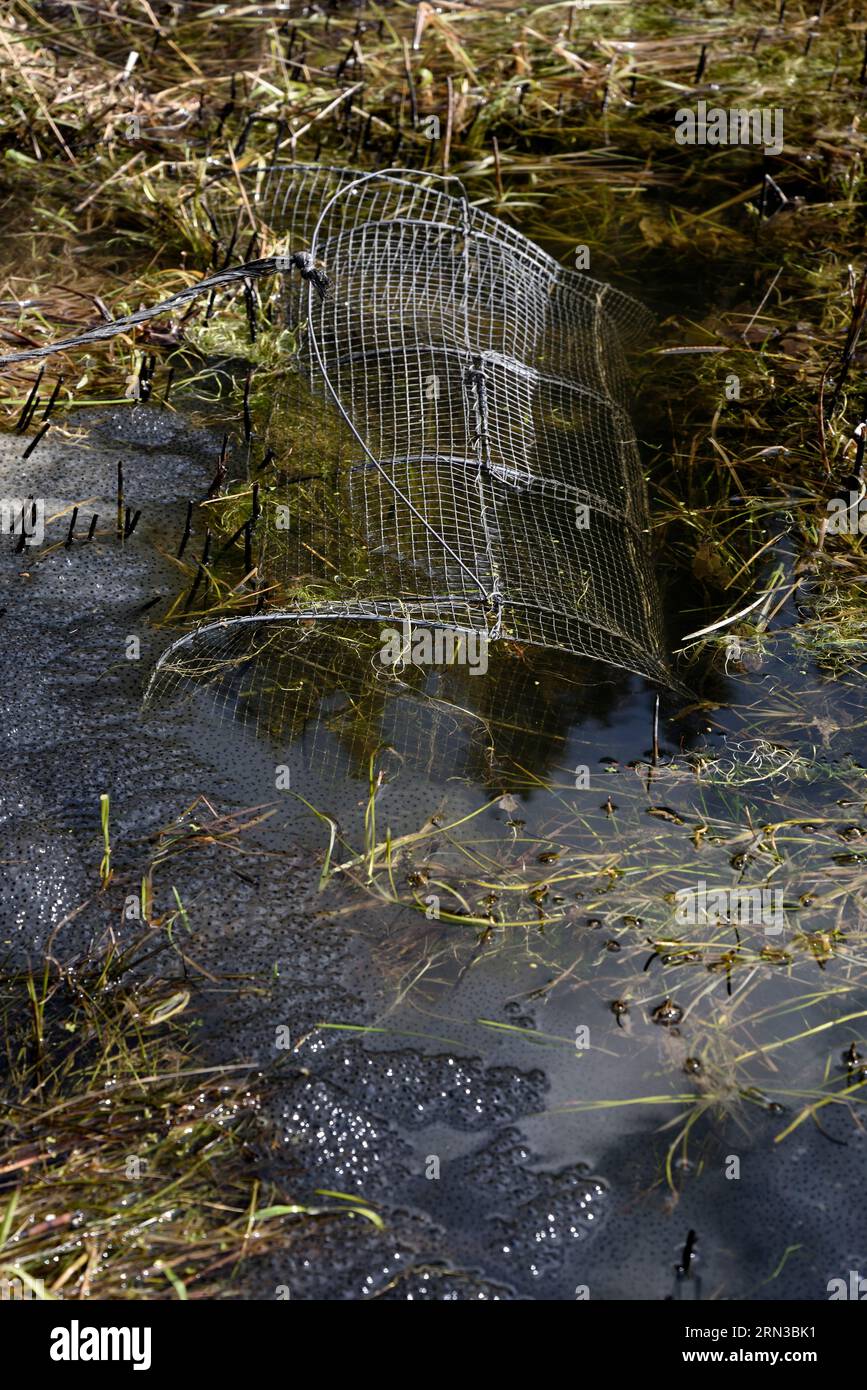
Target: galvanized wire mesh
pixel 457 446
pixel 322 692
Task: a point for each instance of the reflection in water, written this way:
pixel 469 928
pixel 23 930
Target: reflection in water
pixel 326 688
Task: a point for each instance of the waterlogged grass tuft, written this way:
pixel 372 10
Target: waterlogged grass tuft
pixel 128 1167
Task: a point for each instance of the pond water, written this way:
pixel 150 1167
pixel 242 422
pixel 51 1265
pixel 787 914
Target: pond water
pixel 454 1054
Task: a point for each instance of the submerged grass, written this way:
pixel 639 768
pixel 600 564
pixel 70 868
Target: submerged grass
pixel 749 1011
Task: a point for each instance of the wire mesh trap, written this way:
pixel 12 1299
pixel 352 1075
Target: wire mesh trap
pixel 324 693
pixel 447 442
pixel 451 431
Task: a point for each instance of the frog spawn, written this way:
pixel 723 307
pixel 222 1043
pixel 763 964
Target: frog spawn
pixel 359 1149
pixel 458 1091
pixel 565 1211
pixel 551 1214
